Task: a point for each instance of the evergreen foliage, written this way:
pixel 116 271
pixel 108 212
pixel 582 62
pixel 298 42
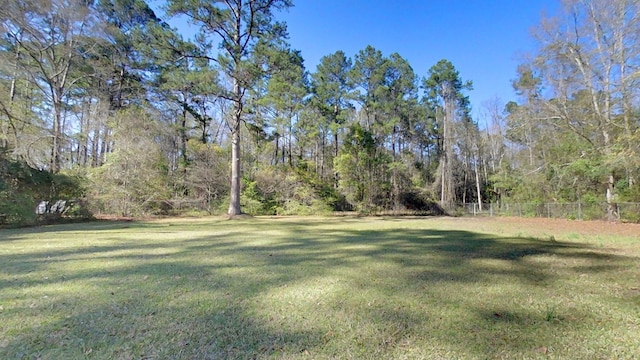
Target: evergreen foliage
pixel 121 111
pixel 29 196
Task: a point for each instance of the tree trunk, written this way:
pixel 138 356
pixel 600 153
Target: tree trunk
pixel 83 150
pixel 316 158
pixel 104 146
pixel 12 94
pixel 612 206
pixel 276 148
pixel 322 155
pixel 234 196
pixel 465 182
pixel 290 147
pixel 183 142
pixel 447 197
pixel 95 144
pixel 336 176
pixel 284 150
pixel 55 147
pixel 394 174
pixel 478 185
pixel 234 203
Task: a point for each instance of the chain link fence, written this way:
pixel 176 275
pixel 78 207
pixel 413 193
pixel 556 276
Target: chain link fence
pixel 628 212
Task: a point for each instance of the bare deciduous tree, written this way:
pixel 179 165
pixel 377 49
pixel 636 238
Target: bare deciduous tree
pixel 49 40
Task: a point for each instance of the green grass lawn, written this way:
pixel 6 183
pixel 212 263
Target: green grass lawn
pixel 317 288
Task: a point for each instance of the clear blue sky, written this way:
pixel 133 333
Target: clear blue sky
pixel 484 39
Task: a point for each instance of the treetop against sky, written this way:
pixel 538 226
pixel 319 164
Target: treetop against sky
pixel 485 40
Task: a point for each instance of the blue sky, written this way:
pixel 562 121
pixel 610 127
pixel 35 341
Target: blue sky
pixel 484 39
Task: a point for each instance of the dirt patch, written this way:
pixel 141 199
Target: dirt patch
pixel 552 226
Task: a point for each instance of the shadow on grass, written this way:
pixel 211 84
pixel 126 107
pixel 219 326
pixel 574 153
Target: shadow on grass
pixel 296 292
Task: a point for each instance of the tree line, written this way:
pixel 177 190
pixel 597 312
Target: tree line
pixel 103 103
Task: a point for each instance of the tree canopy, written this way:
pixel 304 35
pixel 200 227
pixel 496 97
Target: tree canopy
pixel 106 95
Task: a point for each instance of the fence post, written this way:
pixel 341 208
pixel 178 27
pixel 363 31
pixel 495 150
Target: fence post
pixel 491 210
pixel 579 211
pixel 548 210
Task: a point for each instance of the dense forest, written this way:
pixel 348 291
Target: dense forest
pixel 107 109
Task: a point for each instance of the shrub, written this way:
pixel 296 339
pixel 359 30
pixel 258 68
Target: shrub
pixel 16 209
pixel 23 187
pixel 134 180
pixel 281 190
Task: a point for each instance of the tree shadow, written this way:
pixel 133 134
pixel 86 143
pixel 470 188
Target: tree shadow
pixel 212 291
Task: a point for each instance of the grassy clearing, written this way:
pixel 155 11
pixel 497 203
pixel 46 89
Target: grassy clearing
pixel 317 288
